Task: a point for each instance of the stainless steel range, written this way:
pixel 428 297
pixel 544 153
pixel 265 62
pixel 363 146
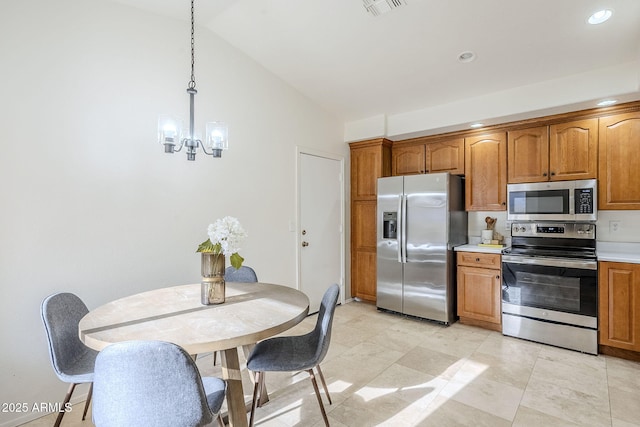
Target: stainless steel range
pixel 550 285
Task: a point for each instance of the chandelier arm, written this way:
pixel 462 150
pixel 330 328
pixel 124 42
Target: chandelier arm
pixel 204 149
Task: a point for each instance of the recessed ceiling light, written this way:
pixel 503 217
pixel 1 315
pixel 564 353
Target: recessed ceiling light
pixel 600 16
pixel 476 125
pixel 467 56
pixel 606 102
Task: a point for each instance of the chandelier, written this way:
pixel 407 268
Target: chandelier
pixel 170 130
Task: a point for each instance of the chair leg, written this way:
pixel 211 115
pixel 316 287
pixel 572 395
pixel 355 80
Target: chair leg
pixel 324 384
pixel 256 386
pixel 215 357
pixel 86 405
pixel 64 403
pixel 220 420
pixel 317 390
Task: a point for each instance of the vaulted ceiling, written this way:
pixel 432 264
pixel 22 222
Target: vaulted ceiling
pixel 356 65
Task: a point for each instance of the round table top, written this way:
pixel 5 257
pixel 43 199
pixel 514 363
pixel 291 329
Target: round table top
pixel 251 312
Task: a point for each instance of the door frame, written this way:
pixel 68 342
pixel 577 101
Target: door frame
pixel 318 153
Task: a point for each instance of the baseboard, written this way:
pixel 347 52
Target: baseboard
pixel 618 352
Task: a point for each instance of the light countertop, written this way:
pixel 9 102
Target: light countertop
pixel 476 248
pixel 618 252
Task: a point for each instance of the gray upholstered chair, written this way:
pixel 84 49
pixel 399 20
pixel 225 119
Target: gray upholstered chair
pixel 296 353
pixel 243 274
pixel 153 383
pixel 72 361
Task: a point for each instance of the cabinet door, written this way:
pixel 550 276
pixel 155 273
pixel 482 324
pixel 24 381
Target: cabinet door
pixel 363 250
pixel 619 305
pixel 365 169
pixel 573 150
pixel 619 162
pixel 485 160
pixel 479 294
pixel 528 152
pixel 446 156
pixel 408 160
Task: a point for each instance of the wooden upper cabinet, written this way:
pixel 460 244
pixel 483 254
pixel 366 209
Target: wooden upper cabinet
pixel 408 160
pixel 369 161
pixel 433 157
pixel 559 152
pixel 619 162
pixel 446 156
pixel 573 150
pixel 528 151
pixel 485 161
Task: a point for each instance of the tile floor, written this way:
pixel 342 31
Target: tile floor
pixel 388 370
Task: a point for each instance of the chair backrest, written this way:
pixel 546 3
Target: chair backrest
pixel 322 330
pixel 242 274
pixel 61 314
pixel 148 383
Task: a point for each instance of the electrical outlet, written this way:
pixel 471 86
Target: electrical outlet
pixel 614 226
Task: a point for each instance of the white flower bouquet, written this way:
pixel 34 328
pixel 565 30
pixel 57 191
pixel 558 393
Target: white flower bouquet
pixel 225 236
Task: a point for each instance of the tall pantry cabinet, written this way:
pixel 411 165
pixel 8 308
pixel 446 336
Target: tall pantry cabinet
pixel 370 160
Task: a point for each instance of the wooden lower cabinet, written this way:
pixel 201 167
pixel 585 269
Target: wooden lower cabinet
pixel 479 287
pixel 363 250
pixel 619 309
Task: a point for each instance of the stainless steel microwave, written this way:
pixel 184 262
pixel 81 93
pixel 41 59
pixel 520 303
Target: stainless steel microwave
pixel 553 201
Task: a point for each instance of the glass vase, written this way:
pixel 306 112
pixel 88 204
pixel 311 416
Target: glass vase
pixel 212 287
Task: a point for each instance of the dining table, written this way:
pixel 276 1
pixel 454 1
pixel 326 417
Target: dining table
pixel 251 312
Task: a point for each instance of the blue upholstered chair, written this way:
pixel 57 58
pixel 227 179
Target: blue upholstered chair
pixel 153 383
pixel 243 274
pixel 72 361
pixel 296 353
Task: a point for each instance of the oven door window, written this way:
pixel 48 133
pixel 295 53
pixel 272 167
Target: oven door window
pixel 569 290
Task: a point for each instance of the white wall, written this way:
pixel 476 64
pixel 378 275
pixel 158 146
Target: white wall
pixel 91 204
pixel 572 93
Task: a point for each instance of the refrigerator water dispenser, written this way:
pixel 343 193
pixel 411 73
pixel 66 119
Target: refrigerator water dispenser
pixel 389 225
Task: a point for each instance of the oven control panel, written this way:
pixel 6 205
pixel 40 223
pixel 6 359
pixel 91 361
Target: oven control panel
pixel 568 230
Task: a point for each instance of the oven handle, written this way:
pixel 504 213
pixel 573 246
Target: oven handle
pixel 551 262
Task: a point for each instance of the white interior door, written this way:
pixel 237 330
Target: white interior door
pixel 320 231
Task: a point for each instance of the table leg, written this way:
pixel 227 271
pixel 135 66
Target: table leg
pixel 264 396
pixel 235 394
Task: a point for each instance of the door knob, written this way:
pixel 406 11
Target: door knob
pixel 305 244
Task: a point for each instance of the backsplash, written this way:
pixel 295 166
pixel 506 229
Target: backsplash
pixel 627 228
pixel 477 224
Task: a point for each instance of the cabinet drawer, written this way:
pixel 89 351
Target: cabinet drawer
pixel 479 259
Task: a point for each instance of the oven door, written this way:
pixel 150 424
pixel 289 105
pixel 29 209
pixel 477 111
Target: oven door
pixel 555 290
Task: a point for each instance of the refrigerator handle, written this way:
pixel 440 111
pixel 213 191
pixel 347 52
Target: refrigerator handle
pixel 399 238
pixel 403 226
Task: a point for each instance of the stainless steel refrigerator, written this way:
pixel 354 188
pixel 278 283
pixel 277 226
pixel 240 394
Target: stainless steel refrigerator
pixel 420 219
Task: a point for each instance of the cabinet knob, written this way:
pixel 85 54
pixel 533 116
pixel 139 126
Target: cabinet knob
pixel 497 277
pixel 477 259
pixel 544 174
pixel 504 203
pixel 553 173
